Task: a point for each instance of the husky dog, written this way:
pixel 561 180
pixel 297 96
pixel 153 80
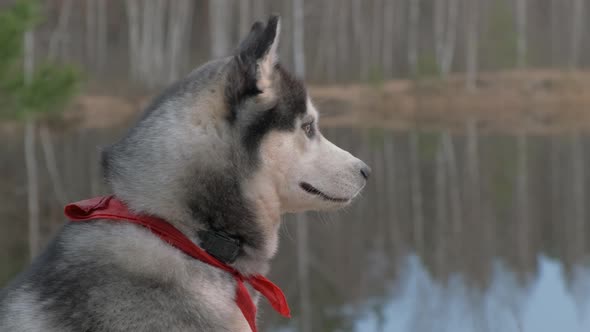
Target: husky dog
pixel 229 148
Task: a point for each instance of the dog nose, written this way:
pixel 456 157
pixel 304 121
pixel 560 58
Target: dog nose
pixel 365 171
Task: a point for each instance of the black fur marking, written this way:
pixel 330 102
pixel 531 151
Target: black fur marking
pixel 220 204
pixel 242 74
pixel 259 40
pixel 292 98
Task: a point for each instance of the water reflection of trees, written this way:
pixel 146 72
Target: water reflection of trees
pixel 460 200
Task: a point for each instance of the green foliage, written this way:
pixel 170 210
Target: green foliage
pixel 499 49
pixel 427 66
pixel 376 76
pixel 51 85
pixel 14 22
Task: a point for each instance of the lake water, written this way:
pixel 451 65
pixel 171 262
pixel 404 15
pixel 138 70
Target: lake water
pixel 456 231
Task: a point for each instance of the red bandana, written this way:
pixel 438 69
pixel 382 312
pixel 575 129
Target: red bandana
pixel 108 207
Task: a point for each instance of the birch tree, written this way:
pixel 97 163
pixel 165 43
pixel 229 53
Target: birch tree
pixel 90 39
pixel 101 34
pixel 58 39
pixel 388 35
pixel 363 43
pixel 521 27
pixel 377 33
pixel 30 156
pixel 159 32
pixel 219 27
pixel 413 36
pixel 577 32
pixel 472 32
pixel 31 91
pixel 245 17
pixel 179 23
pixel 298 37
pixel 49 154
pixel 445 33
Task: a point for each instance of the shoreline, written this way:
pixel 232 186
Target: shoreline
pixel 536 102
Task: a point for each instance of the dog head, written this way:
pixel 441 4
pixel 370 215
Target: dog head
pixel 234 145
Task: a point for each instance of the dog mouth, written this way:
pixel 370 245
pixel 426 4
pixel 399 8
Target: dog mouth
pixel 314 191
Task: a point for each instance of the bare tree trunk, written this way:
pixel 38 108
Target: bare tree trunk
pixel 179 22
pixel 521 27
pixel 413 36
pixel 219 27
pixel 259 8
pixel 388 36
pixel 245 17
pixel 134 41
pixel 303 272
pixel 91 32
pixel 577 32
pixel 101 34
pixel 343 39
pixel 323 57
pixel 153 71
pixel 556 27
pixel 376 33
pixel 450 37
pixel 51 163
pixel 159 32
pixel 439 29
pixel 57 40
pixel 331 49
pixel 29 54
pixel 361 40
pixel 472 45
pixel 147 24
pixel 445 33
pixel 298 37
pixel 30 160
pixel 32 189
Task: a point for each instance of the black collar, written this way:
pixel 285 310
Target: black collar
pixel 220 245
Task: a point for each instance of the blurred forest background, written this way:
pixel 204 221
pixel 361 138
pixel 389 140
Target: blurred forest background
pixel 151 43
pixel 474 115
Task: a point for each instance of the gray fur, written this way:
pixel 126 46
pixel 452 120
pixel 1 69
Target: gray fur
pixel 194 159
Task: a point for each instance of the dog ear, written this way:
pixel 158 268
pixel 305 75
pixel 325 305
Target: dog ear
pixel 257 53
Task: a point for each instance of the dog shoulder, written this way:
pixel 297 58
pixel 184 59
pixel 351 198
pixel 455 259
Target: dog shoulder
pixel 116 277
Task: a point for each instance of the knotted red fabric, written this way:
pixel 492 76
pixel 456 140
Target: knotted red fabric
pixel 109 207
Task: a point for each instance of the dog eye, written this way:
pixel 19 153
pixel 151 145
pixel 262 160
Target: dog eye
pixel 308 129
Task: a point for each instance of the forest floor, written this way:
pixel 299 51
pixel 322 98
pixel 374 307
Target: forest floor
pixel 539 101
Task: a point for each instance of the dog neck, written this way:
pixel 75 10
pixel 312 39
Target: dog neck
pixel 219 202
pixel 248 214
pixel 268 217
